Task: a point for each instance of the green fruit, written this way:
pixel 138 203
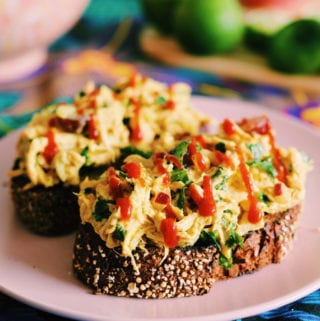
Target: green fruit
pixel 160 13
pixel 209 26
pixel 296 47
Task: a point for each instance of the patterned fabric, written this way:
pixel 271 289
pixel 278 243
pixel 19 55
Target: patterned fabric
pixel 103 46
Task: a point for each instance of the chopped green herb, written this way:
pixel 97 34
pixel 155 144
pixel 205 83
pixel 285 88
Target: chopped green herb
pixel 85 154
pixel 128 150
pixel 225 262
pixel 256 150
pixel 181 149
pixel 218 172
pixel 209 238
pixel 181 198
pixel 160 100
pixel 234 239
pixel 126 121
pixel 101 209
pixel 180 175
pixel 266 165
pixel 119 233
pixel 222 185
pixel 221 147
pixel 228 211
pixel 263 198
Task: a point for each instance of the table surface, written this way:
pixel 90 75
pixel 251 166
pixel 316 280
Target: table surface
pixel 103 46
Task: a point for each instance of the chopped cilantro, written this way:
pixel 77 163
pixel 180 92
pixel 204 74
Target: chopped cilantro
pixel 263 198
pixel 81 93
pixel 256 150
pixel 126 121
pixel 119 233
pixel 234 239
pixel 128 150
pixel 209 238
pixel 180 175
pixel 160 100
pixel 181 198
pixel 221 147
pixel 218 172
pixel 101 209
pixel 228 211
pixel 225 262
pixel 266 165
pixel 222 185
pixel 181 149
pixel 85 154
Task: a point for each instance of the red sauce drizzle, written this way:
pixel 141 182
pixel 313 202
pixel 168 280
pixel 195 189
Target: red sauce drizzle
pixel 162 198
pixel 114 182
pixel 169 232
pixel 51 148
pixel 278 189
pixel 92 129
pixel 223 158
pixel 136 133
pixel 262 126
pixel 170 104
pixel 133 169
pixel 228 126
pixel 197 157
pixel 206 203
pixel 125 207
pixel 254 214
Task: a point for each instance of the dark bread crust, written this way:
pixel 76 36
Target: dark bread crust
pixel 185 271
pixel 47 211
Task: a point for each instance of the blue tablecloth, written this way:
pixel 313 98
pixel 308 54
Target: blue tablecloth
pixel 108 31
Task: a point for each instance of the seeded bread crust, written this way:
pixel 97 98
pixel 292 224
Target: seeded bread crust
pixel 185 271
pixel 45 211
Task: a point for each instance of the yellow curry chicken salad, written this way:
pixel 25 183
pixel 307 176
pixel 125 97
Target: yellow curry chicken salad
pixel 209 189
pixel 100 121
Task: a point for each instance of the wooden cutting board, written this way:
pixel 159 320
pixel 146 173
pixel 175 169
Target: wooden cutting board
pixel 241 64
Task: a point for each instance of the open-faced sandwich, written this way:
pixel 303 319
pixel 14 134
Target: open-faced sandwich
pixel 172 223
pixel 67 141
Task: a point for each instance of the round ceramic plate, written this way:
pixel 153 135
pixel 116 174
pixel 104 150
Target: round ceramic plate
pixel 37 270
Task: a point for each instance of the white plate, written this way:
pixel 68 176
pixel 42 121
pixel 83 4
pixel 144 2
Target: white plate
pixel 37 270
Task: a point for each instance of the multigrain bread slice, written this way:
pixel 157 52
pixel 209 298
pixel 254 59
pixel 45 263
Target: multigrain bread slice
pixel 185 271
pixel 90 131
pixel 217 205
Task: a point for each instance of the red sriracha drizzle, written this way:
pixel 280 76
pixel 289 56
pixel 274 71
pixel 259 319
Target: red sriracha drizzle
pixel 228 127
pixel 170 104
pixel 254 214
pixel 133 169
pixel 51 148
pixel 262 126
pixel 206 203
pixel 92 129
pixel 196 155
pixel 169 232
pixel 125 207
pixel 164 199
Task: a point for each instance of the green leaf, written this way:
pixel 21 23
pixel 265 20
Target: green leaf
pixel 129 150
pixel 181 149
pixel 101 209
pixel 222 185
pixel 263 198
pixel 218 172
pixel 85 154
pixel 180 175
pixel 234 239
pixel 227 263
pixel 256 150
pixel 160 100
pixel 209 238
pixel 266 165
pixel 221 147
pixel 119 233
pixel 181 198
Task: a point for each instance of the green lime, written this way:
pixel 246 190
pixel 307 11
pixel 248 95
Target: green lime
pixel 209 26
pixel 295 48
pixel 160 13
